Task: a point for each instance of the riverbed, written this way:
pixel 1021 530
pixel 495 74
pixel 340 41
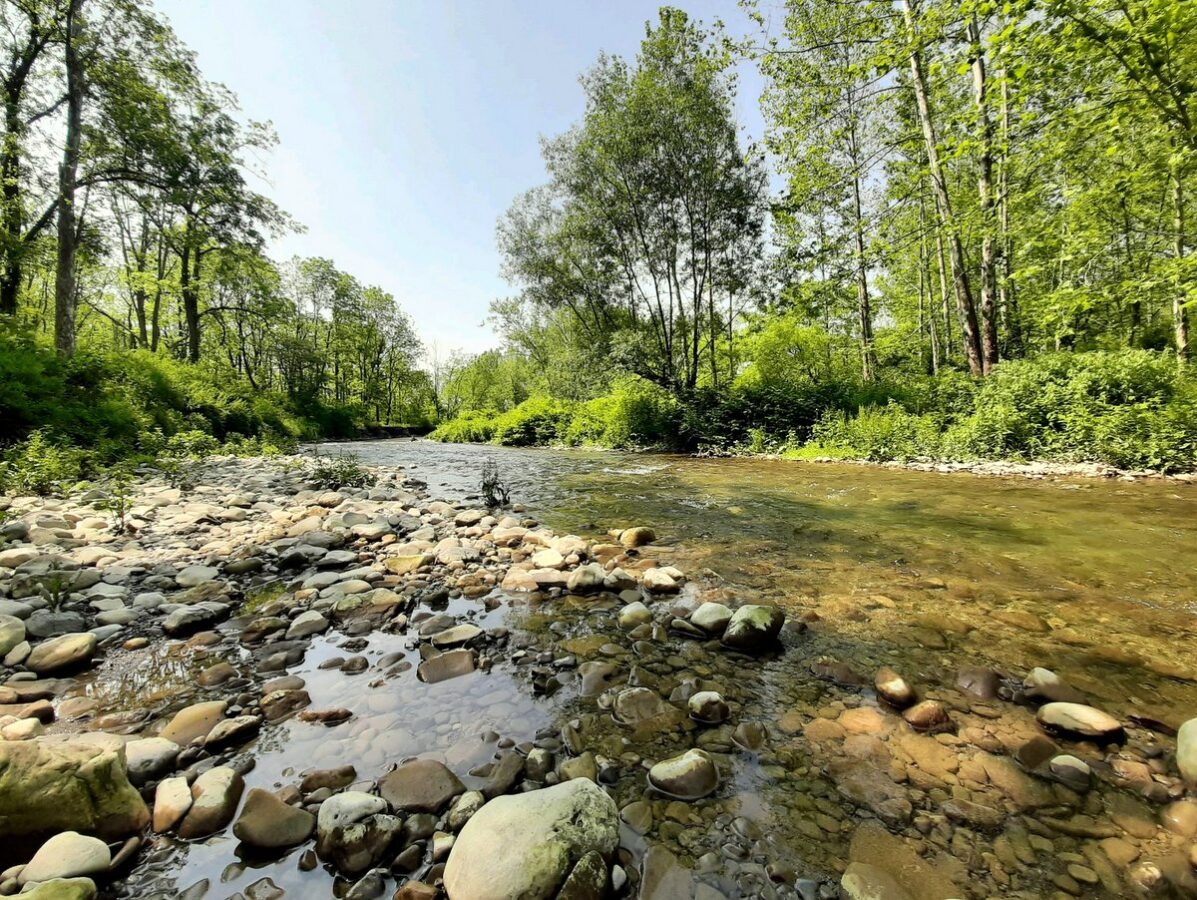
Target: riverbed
pixel 968 588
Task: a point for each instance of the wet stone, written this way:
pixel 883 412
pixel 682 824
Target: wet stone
pixel 422 785
pixel 688 776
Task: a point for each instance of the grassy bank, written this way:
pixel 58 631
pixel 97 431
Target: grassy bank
pixel 1129 409
pixel 65 420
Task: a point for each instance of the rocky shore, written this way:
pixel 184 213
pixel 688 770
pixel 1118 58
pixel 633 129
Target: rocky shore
pixel 1011 469
pixel 512 713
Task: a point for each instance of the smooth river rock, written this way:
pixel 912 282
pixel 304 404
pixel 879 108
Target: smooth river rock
pixel 194 721
pixel 754 628
pixel 1078 720
pixel 61 654
pixel 214 799
pixel 269 823
pixel 67 855
pixel 12 632
pixel 525 845
pixel 688 776
pixel 68 783
pixel 422 785
pixel 62 889
pixel 1186 752
pixel 353 831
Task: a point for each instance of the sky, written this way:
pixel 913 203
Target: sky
pixel 407 127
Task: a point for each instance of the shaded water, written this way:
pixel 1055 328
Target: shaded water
pixel 924 572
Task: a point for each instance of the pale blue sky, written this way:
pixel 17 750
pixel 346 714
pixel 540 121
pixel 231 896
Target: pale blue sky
pixel 406 127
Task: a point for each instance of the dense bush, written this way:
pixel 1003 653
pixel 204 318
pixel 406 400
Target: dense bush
pixel 535 422
pixel 879 433
pixel 115 403
pixel 40 465
pixel 473 427
pixel 1131 409
pixel 635 414
pixel 336 472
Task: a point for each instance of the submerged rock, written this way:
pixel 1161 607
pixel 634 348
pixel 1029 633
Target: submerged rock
pixel 754 628
pixel 930 715
pixel 1186 752
pixel 1078 720
pixel 526 845
pixel 689 776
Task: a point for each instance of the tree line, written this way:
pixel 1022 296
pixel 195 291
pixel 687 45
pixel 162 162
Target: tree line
pixel 963 182
pixel 129 219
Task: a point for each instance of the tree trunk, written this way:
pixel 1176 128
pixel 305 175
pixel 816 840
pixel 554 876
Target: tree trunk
pixel 189 289
pixel 1006 296
pixel 943 204
pixel 989 338
pixel 10 178
pixel 64 282
pixel 1179 313
pixel 945 303
pixel 867 354
pixel 925 291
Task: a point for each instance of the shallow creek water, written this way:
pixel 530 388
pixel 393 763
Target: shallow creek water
pixel 927 573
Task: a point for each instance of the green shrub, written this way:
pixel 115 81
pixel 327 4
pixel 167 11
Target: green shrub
pixel 43 466
pixel 192 444
pixel 538 421
pixel 635 414
pixel 336 472
pixel 471 427
pixel 122 402
pixel 880 433
pixel 1131 409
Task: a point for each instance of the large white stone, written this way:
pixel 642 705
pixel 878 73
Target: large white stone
pixel 67 855
pixel 524 845
pixel 1186 752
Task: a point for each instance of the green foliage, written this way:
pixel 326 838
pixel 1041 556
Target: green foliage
pixel 336 472
pixel 634 414
pixel 471 427
pixel 879 433
pixel 42 465
pixel 118 498
pixel 538 421
pixel 120 403
pixel 1131 409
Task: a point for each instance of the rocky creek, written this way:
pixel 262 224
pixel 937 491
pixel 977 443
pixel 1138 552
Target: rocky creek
pixel 653 677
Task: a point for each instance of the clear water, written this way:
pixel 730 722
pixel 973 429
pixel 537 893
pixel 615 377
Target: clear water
pixel 914 570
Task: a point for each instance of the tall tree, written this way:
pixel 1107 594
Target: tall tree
pixel 961 282
pixel 825 105
pixel 68 173
pixel 656 243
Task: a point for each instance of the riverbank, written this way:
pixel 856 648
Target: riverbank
pixel 373 690
pixel 1005 469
